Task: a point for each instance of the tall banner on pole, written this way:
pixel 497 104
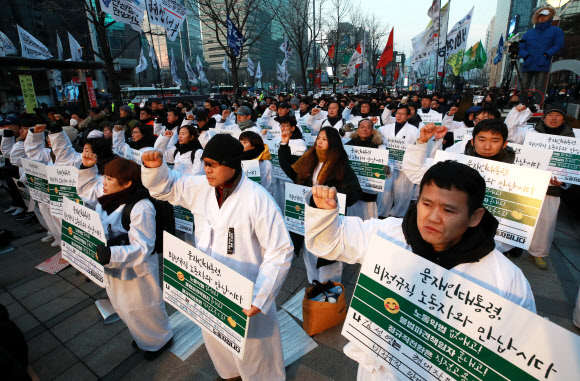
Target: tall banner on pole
pixel 28 93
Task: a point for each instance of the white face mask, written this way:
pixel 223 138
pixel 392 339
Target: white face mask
pixel 562 93
pixel 73 122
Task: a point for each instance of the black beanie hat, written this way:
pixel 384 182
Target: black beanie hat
pixel 557 107
pixel 225 149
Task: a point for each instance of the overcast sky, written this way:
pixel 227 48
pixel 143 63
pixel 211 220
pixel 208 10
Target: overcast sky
pixel 410 17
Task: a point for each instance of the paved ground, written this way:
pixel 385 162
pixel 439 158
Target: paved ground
pixel 68 340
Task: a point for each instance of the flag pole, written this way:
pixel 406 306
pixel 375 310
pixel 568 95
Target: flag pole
pixel 152 46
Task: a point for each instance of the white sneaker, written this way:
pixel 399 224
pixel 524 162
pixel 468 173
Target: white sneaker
pixel 48 238
pixel 17 211
pixel 11 209
pixel 55 244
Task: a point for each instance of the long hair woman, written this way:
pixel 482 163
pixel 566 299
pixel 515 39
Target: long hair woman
pixel 129 259
pixel 186 154
pixel 325 163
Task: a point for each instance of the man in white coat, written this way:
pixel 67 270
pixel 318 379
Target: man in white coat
pixel 426 112
pixel 244 122
pixel 395 199
pixel 449 226
pixel 244 229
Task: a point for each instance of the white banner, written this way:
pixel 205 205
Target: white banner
pixel 76 52
pixel 457 36
pixel 190 73
pixel 6 46
pixel 62 183
pixel 142 63
pixel 37 180
pixel 368 165
pixel 174 70
pixel 31 47
pixel 169 14
pixel 565 161
pixel 125 11
pixel 251 67
pixel 430 39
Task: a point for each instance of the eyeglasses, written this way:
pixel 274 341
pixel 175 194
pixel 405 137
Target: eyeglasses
pixel 211 165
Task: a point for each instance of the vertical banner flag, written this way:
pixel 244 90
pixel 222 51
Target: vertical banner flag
pixel 199 65
pixel 457 36
pixel 59 47
pixel 153 58
pixel 331 51
pixel 6 46
pixel 259 71
pixel 428 40
pixel 499 54
pixel 356 60
pixel 174 72
pixel 125 11
pixel 31 47
pixel 167 13
pixel 226 65
pixel 28 93
pixel 142 63
pixel 202 77
pixel 190 73
pixel 91 92
pixel 287 49
pixel 387 55
pixel 76 52
pixel 235 38
pixel 250 67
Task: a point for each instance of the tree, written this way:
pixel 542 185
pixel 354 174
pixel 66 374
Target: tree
pixel 336 30
pixel 302 30
pixel 249 16
pixel 376 40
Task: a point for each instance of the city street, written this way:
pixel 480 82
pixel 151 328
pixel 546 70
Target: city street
pixel 68 340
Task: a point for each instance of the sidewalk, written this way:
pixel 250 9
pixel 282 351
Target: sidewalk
pixel 68 340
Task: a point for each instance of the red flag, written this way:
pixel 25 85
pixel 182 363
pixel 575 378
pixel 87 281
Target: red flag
pixel 397 73
pixel 384 70
pixel 387 55
pixel 331 51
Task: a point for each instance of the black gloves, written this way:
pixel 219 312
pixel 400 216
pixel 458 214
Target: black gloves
pixel 103 254
pixel 8 133
pixel 54 127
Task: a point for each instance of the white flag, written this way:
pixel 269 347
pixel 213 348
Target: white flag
pixel 457 36
pixel 226 65
pixel 282 73
pixel 6 46
pixel 356 60
pixel 202 77
pixel 287 49
pixel 259 71
pixel 125 11
pixel 174 72
pixel 167 13
pixel 59 47
pixel 251 67
pixel 429 40
pixel 199 65
pixel 31 47
pixel 142 63
pixel 190 73
pixel 153 58
pixel 76 52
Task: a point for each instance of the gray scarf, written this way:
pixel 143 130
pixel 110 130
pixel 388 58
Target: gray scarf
pixel 246 124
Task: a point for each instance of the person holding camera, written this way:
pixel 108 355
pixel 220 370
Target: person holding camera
pixel 537 48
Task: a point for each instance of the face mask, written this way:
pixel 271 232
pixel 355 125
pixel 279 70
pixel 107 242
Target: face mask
pixel 562 93
pixel 73 123
pixel 207 110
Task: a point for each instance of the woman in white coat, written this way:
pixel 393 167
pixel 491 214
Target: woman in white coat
pixel 235 209
pixel 130 262
pixel 255 149
pixel 462 241
pixel 186 154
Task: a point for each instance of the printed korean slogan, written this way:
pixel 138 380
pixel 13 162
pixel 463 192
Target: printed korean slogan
pixel 208 292
pixel 28 93
pixel 396 148
pixel 462 133
pixel 423 322
pixel 134 155
pixel 82 231
pixel 565 163
pixel 252 169
pixel 432 118
pixel 514 195
pixel 273 146
pixel 294 206
pixel 368 164
pixel 183 219
pixel 62 182
pixel 531 157
pixel 37 180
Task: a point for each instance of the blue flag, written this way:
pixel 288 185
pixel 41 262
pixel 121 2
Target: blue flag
pixel 499 54
pixel 235 37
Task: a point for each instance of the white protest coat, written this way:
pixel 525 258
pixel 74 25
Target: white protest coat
pixel 297 148
pixel 120 147
pixel 262 253
pixel 132 276
pixel 320 120
pixel 329 236
pixel 183 163
pixel 395 199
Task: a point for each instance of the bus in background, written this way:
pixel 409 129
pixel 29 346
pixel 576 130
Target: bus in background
pixel 138 94
pixel 229 90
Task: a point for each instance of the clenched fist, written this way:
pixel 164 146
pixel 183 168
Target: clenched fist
pixel 324 197
pixel 89 159
pixel 427 132
pixel 152 159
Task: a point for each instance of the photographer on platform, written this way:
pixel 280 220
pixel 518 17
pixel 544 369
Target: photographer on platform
pixel 537 48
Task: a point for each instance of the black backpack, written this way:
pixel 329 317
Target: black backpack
pixel 164 219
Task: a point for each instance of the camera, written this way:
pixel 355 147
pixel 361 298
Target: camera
pixel 514 49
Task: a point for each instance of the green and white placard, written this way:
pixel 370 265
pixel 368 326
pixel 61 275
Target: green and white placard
pixel 208 292
pixel 565 163
pixel 62 182
pixel 396 148
pixel 252 170
pixel 514 195
pixel 233 132
pixel 423 322
pixel 432 117
pixel 274 146
pixel 461 133
pixel 82 231
pixel 273 134
pixel 531 157
pixel 368 164
pixel 37 180
pixel 183 219
pixel 301 122
pixel 294 206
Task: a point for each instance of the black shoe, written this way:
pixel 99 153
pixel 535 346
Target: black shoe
pixel 24 216
pixel 134 344
pixel 515 252
pixel 150 356
pixel 30 222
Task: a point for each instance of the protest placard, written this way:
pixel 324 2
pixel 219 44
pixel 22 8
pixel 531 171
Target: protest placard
pixel 82 231
pixel 37 180
pixel 396 148
pixel 273 134
pixel 294 206
pixel 208 292
pixel 565 162
pixel 462 133
pixel 368 165
pixel 62 182
pixel 273 146
pixel 432 117
pixel 514 195
pixel 301 122
pixel 235 133
pixel 134 155
pixel 183 219
pixel 531 157
pixel 252 170
pixel 423 322
pixel 24 192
